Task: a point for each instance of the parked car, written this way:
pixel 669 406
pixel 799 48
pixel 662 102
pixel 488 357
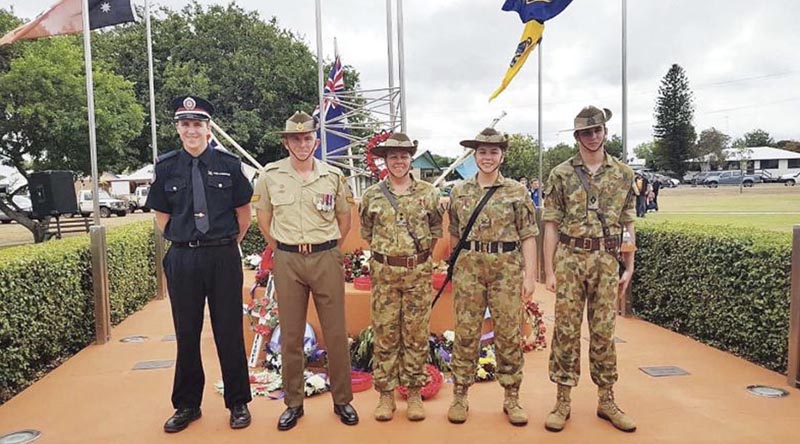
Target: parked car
pixel 733 177
pixel 768 177
pixel 790 179
pixel 138 199
pixel 24 204
pixel 700 177
pixel 108 204
pixel 666 181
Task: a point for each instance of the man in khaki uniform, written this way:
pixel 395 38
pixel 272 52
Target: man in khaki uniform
pixel 401 240
pixel 589 200
pixel 495 270
pixel 304 213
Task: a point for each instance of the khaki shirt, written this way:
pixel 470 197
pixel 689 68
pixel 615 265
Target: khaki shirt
pixel 509 215
pixel 567 203
pixel 387 230
pixel 303 212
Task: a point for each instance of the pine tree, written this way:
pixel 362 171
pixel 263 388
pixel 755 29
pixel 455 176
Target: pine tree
pixel 674 132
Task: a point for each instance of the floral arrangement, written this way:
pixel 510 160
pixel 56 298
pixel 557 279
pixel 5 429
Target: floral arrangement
pixel 487 364
pixel 268 383
pixel 441 350
pixel 316 383
pixel 263 313
pixel 533 316
pixel 356 264
pixel 361 350
pixel 432 385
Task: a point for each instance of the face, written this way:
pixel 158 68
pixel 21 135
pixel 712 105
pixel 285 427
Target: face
pixel 398 162
pixel 591 138
pixel 523 181
pixel 535 183
pixel 488 158
pixel 194 133
pixel 301 145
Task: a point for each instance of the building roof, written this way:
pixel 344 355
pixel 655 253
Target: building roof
pixel 755 153
pixel 425 161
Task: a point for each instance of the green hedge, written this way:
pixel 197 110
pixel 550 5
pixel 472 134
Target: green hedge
pixel 46 300
pixel 253 242
pixel 727 287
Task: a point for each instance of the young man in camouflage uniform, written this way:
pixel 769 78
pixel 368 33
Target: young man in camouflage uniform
pixel 581 193
pixel 496 269
pixel 401 240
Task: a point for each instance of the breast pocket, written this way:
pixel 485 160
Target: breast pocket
pixel 281 202
pixel 175 189
pixel 220 186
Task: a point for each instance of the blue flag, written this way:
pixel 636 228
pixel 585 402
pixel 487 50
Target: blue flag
pixel 539 10
pixel 333 111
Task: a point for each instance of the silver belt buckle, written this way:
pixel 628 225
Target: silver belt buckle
pixel 194 244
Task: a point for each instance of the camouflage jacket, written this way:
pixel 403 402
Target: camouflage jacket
pixel 568 205
pixel 508 216
pixel 386 230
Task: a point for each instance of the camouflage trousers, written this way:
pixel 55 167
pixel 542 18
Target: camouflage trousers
pixel 493 280
pixel 401 314
pixel 591 279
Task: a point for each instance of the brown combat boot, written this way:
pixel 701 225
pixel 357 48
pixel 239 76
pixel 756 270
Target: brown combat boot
pixel 414 409
pixel 608 410
pixel 560 414
pixel 457 414
pixel 516 415
pixel 386 407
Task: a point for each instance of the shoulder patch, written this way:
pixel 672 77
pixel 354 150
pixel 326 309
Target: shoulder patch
pixel 168 155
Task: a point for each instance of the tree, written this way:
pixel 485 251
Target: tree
pixel 44 122
pixel 757 137
pixel 521 157
pixel 644 151
pixel 790 145
pixel 713 143
pixel 614 146
pixel 557 155
pixel 674 132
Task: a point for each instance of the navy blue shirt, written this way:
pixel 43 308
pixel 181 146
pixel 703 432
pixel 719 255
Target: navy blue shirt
pixel 226 188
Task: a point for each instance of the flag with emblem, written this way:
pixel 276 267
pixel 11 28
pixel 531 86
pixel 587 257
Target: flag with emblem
pixel 533 13
pixel 333 111
pixel 65 18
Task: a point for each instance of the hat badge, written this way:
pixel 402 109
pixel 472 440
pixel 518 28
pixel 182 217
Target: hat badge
pixel 300 126
pixel 189 103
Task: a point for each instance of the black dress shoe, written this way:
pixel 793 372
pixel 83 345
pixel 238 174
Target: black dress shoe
pixel 240 416
pixel 289 417
pixel 181 419
pixel 346 413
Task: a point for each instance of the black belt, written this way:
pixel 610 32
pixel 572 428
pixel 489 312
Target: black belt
pixel 307 248
pixel 610 244
pixel 491 247
pixel 204 243
pixel 402 261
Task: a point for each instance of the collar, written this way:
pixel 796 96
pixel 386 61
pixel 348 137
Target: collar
pixel 205 157
pixel 500 181
pixel 577 160
pixel 411 188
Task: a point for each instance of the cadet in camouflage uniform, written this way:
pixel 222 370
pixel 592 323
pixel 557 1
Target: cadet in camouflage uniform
pixel 401 275
pixel 585 268
pixel 495 269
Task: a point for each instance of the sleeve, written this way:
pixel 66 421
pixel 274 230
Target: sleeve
pixel 525 216
pixel 261 198
pixel 434 214
pixel 554 203
pixel 365 218
pixel 628 213
pixel 344 196
pixel 452 213
pixel 242 190
pixel 157 197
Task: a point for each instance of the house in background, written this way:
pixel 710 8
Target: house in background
pixel 763 159
pixel 424 167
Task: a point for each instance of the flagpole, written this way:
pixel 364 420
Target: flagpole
pixel 321 81
pixel 390 53
pixel 98 234
pixel 624 81
pixel 541 146
pixel 401 65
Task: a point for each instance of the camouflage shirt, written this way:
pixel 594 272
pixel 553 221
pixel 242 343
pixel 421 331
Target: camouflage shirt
pixel 507 217
pixel 387 230
pixel 568 205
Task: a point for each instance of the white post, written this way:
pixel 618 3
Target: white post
pixel 624 81
pixel 390 53
pixel 322 114
pixel 541 145
pixel 402 66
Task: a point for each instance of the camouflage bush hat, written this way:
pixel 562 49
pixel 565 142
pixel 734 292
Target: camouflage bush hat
pixel 590 117
pixel 299 123
pixel 396 141
pixel 489 136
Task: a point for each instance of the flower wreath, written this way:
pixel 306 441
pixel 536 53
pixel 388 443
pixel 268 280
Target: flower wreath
pixel 431 387
pixel 378 171
pixel 533 316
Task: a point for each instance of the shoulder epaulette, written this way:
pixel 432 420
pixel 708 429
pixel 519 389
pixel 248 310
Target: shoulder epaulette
pixel 271 166
pixel 168 155
pixel 228 153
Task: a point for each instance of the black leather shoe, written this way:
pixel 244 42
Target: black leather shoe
pixel 240 416
pixel 346 413
pixel 289 418
pixel 181 419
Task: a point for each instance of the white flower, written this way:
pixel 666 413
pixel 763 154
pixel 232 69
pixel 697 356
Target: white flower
pixel 449 335
pixel 253 260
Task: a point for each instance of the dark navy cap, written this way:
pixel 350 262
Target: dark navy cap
pixel 193 108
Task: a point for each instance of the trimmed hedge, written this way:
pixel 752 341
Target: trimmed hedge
pixel 47 304
pixel 253 242
pixel 726 287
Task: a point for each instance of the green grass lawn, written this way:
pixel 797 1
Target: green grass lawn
pixel 768 207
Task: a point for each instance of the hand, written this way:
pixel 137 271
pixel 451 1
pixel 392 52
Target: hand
pixel 624 281
pixel 550 282
pixel 528 285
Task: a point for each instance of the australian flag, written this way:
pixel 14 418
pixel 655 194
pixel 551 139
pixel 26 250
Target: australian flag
pixel 104 13
pixel 333 110
pixel 539 10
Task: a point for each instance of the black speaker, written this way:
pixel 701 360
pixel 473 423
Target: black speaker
pixel 52 193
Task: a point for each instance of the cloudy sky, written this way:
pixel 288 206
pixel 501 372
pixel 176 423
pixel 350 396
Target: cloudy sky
pixel 740 57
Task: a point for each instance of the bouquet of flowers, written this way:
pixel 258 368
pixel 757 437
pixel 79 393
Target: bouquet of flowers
pixel 487 364
pixel 441 350
pixel 263 313
pixel 533 316
pixel 355 265
pixel 316 383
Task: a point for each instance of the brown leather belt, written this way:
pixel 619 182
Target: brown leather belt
pixel 307 248
pixel 402 261
pixel 491 247
pixel 590 243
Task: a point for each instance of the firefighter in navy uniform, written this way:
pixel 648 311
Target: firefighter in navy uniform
pixel 201 200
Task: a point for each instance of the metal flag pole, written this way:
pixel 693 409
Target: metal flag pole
pixel 401 66
pixel 624 81
pixel 390 53
pixel 322 112
pixel 541 146
pixel 102 307
pixel 158 236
